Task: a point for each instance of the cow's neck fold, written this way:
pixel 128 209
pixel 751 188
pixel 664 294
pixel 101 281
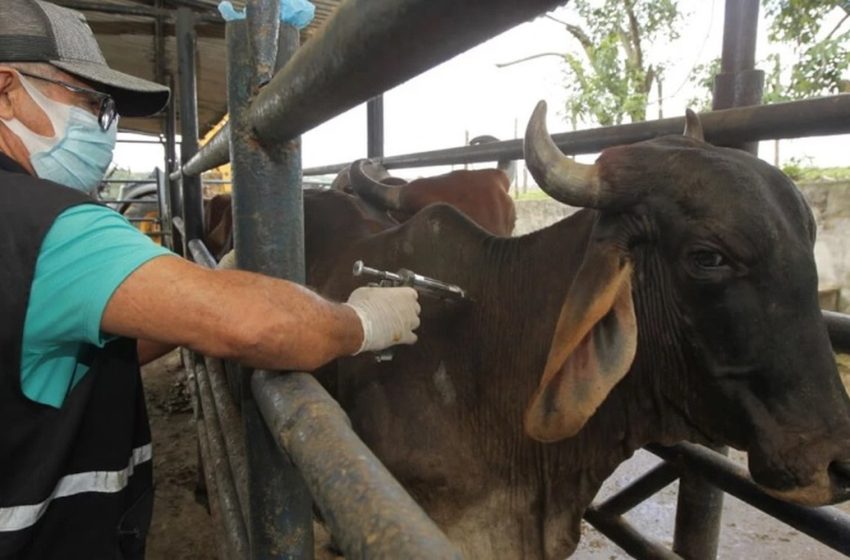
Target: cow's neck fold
pixel 533 279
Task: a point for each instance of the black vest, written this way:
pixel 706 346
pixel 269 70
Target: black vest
pixel 75 482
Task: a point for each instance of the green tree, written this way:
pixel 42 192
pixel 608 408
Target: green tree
pixel 702 77
pixel 611 78
pixel 822 52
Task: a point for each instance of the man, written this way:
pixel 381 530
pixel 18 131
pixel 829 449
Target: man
pixel 80 286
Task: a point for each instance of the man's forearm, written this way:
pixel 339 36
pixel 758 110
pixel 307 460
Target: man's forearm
pixel 289 326
pixel 260 321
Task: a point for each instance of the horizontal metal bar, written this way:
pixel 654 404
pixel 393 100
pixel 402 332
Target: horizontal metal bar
pixel 129 181
pixel 142 220
pixel 796 119
pixel 627 537
pixel 648 484
pixel 369 513
pixel 370 46
pixel 196 4
pixel 200 253
pixel 143 141
pixel 129 201
pixel 136 10
pixel 827 525
pixel 109 8
pixel 213 154
pixel 838 325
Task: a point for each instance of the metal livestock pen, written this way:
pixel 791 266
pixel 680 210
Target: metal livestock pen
pixel 290 444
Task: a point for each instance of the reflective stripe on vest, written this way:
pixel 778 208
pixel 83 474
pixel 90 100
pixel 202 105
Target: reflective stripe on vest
pixel 16 518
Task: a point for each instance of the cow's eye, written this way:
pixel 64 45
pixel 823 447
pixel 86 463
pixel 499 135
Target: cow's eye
pixel 708 260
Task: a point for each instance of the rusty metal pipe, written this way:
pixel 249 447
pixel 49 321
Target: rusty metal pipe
pixel 828 525
pixel 838 325
pixel 627 537
pixel 648 484
pixel 214 153
pixel 369 513
pixel 370 46
pixel 268 238
pixel 797 119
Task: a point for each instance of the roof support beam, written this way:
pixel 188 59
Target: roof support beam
pixel 132 10
pixel 207 31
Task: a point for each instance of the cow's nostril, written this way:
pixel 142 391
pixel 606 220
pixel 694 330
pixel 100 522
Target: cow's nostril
pixel 840 473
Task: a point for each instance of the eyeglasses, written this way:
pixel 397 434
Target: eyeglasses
pixel 106 113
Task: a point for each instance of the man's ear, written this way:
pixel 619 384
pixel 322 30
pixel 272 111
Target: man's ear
pixel 7 83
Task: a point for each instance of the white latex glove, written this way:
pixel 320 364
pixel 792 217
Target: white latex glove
pixel 388 316
pixel 228 261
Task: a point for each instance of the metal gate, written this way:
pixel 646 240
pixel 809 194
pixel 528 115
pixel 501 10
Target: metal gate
pixel 291 444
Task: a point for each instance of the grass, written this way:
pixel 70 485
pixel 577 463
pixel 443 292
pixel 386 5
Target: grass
pixel 811 174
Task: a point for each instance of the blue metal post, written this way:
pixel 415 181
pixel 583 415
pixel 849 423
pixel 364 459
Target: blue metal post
pixel 268 238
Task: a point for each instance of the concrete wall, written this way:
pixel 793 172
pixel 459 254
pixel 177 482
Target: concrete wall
pixel 532 215
pixel 830 203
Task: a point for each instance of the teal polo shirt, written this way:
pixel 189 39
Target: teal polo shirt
pixel 87 253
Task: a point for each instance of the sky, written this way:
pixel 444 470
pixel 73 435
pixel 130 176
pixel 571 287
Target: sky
pixel 470 95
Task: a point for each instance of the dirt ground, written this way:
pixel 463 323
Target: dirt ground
pixel 182 530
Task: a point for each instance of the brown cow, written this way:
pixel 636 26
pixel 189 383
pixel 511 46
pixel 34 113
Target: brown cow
pixel 481 194
pixel 680 304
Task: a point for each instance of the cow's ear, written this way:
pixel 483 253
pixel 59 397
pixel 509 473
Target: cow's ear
pixel 592 349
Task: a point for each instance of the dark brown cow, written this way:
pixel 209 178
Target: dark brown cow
pixel 680 305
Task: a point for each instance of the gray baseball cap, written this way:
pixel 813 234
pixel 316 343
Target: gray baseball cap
pixel 37 31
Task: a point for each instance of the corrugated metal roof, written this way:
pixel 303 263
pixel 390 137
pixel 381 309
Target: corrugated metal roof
pixel 129 45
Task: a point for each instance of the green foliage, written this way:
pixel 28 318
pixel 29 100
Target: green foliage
pixel 795 167
pixel 822 174
pixel 798 21
pixel 774 90
pixel 611 78
pixel 823 52
pixel 702 76
pixel 802 170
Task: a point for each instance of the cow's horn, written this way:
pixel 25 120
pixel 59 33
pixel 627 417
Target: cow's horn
pixel 373 191
pixel 693 126
pixel 560 177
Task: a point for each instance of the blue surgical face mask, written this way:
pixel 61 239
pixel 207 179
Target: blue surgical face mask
pixel 78 153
